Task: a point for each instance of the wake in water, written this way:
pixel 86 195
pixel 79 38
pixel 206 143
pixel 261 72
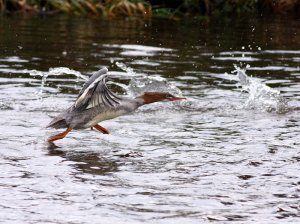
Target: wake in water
pixel 261 96
pixel 137 86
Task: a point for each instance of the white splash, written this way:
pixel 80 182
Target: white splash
pixel 125 68
pixel 54 72
pixel 137 86
pixel 143 83
pixel 261 96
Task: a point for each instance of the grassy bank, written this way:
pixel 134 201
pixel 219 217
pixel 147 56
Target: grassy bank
pixel 144 8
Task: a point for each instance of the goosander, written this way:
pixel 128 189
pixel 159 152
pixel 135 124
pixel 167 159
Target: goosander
pixel 96 103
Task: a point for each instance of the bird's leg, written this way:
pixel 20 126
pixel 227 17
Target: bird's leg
pixel 101 129
pixel 59 136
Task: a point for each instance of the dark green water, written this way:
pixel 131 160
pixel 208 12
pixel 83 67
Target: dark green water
pixel 221 156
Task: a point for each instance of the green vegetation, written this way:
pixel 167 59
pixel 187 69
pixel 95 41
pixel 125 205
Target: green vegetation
pixel 148 8
pixel 107 8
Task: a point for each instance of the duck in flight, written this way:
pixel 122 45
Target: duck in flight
pixel 96 103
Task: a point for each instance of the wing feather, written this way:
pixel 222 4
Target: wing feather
pixel 96 93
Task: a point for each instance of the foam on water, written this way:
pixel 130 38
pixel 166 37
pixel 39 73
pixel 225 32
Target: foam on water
pixel 261 96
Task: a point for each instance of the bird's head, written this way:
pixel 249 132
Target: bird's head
pixel 151 97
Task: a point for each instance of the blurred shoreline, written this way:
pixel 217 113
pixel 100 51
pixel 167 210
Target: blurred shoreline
pixel 170 9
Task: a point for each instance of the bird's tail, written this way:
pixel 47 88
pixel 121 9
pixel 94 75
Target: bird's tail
pixel 58 123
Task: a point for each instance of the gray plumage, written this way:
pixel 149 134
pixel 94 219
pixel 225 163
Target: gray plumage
pixel 95 103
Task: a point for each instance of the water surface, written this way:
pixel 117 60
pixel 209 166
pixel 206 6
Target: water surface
pixel 221 156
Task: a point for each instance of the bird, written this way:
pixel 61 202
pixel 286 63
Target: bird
pixel 96 103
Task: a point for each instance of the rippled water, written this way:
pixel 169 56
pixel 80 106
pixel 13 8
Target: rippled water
pixel 230 152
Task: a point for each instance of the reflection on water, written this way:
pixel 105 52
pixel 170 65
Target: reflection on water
pixel 87 162
pixel 222 155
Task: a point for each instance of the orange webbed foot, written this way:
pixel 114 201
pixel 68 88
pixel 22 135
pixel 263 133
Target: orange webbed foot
pixel 101 129
pixel 59 136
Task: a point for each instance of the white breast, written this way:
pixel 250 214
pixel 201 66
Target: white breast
pixel 105 116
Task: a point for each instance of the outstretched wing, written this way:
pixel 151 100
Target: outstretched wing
pixel 95 93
